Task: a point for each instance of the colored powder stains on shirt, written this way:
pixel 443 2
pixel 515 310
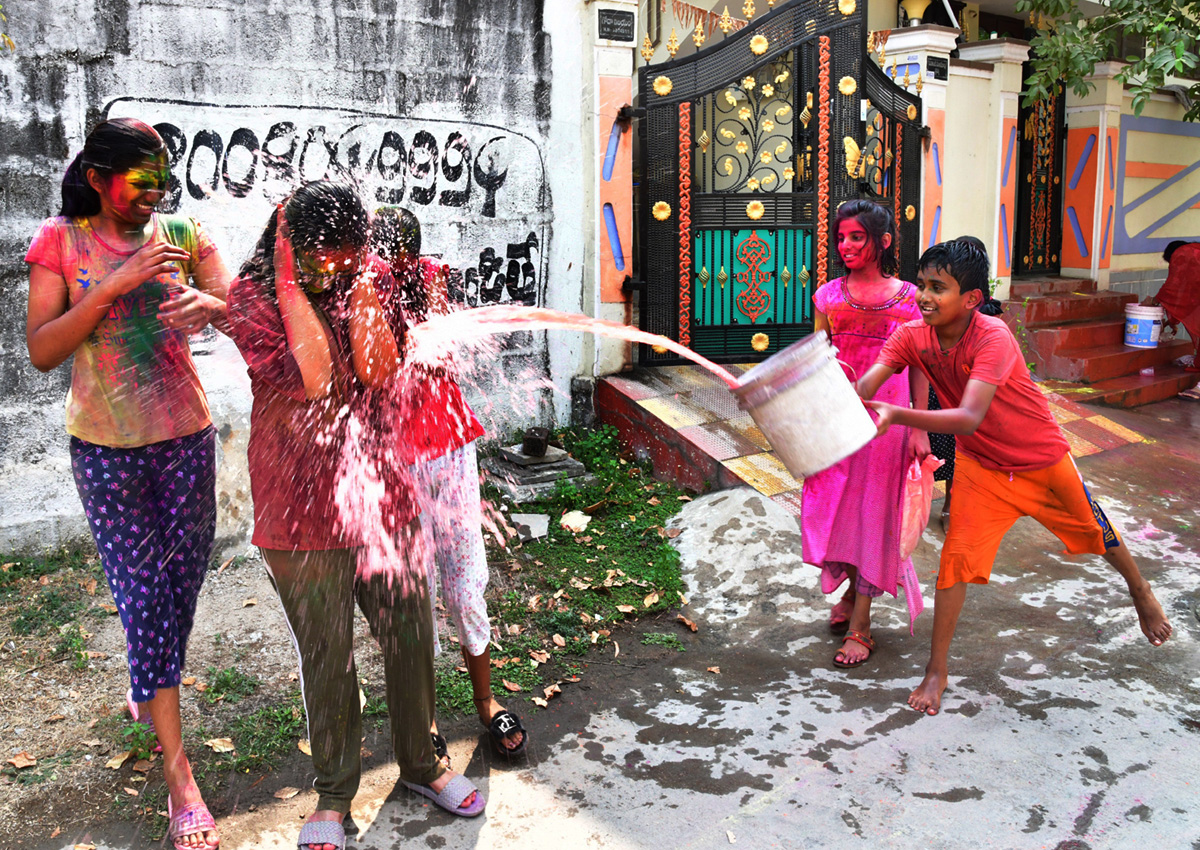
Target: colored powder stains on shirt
pixel 133 381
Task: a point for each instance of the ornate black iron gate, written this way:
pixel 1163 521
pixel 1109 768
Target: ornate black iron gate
pixel 747 150
pixel 1040 192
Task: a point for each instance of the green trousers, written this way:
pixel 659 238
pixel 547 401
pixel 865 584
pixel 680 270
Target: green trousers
pixel 318 590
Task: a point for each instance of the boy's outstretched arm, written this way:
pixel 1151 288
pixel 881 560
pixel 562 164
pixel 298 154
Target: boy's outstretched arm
pixel 964 419
pixel 870 383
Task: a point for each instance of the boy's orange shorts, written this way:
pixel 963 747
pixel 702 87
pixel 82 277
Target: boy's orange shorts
pixel 987 502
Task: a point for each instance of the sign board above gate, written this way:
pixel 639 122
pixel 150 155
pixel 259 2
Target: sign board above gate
pixel 616 25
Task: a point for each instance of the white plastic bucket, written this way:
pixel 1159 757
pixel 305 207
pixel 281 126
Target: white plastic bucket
pixel 1143 326
pixel 806 406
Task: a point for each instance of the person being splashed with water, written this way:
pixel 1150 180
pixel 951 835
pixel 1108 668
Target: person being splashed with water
pixel 323 354
pixel 439 442
pixel 108 284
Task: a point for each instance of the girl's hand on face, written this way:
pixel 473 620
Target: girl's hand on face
pixel 151 260
pixel 285 254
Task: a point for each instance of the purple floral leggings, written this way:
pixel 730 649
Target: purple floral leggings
pixel 153 512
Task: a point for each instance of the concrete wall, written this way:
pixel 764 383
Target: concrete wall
pixel 444 106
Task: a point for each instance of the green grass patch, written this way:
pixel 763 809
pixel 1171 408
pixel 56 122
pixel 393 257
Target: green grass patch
pixel 46 770
pixel 228 685
pixel 72 644
pixel 264 736
pixel 662 639
pixel 15 567
pixel 48 610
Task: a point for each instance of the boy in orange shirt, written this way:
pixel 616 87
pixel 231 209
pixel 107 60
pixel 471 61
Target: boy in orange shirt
pixel 1012 459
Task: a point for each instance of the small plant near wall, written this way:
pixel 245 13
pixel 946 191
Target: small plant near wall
pixel 5 39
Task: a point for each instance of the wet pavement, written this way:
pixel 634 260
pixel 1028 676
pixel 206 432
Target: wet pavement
pixel 1062 727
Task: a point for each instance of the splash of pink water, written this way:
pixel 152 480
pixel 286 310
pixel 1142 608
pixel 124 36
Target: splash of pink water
pixel 430 340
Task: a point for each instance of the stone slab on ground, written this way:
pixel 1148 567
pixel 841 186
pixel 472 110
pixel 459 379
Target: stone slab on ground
pixel 513 454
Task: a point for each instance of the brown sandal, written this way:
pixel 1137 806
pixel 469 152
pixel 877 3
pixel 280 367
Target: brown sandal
pixel 857 637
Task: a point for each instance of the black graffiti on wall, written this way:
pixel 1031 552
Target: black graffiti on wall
pixel 488 282
pixel 419 171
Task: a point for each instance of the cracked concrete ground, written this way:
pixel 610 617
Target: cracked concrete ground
pixel 1062 727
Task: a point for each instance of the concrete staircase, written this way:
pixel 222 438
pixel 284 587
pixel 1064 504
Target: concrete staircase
pixel 1073 336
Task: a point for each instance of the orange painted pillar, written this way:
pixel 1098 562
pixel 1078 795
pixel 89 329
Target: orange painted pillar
pixel 614 148
pixel 1009 168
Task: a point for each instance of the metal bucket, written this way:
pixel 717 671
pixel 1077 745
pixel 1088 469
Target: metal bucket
pixel 806 406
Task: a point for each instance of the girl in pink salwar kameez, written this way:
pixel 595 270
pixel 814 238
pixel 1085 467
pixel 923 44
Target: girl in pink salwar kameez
pixel 850 515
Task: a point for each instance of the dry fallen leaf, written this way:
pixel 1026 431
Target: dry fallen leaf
pixel 616 649
pixel 303 746
pixel 514 629
pixel 85 847
pixel 672 533
pixel 689 623
pixel 57 832
pixel 22 760
pixel 716 670
pixel 95 742
pixel 112 609
pixel 551 691
pixel 55 718
pixel 510 686
pixel 653 500
pixel 251 601
pixel 286 793
pixel 559 640
pixel 189 681
pixel 571 679
pixel 220 745
pixel 143 766
pixel 89 587
pixel 132 792
pixel 595 636
pixel 539 655
pixel 533 601
pixel 626 609
pixel 116 761
pixel 683 600
pixel 201 686
pixel 539 702
pixel 651 598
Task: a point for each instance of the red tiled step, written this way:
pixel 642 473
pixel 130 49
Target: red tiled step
pixel 1027 287
pixel 1077 335
pixel 1130 390
pixel 1100 363
pixel 1072 307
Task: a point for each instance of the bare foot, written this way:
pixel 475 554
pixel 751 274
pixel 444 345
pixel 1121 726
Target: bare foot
pixel 489 708
pixel 927 698
pixel 324 815
pixel 1150 614
pixel 439 784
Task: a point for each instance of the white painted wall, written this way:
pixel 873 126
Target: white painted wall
pixel 487 100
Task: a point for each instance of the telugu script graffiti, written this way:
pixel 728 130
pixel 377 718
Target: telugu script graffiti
pixel 480 191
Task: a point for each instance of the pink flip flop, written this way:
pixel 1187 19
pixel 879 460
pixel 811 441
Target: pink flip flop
pixel 192 819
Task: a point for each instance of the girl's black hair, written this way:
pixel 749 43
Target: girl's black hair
pixel 112 147
pixel 396 233
pixel 322 216
pixel 877 220
pixel 1171 248
pixel 966 260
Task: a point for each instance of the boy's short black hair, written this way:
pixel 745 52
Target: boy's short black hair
pixel 966 262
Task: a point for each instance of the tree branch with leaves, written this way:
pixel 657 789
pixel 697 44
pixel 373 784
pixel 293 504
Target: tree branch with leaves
pixel 1068 50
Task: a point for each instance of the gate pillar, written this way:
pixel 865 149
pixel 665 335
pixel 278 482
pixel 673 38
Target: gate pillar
pixel 924 51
